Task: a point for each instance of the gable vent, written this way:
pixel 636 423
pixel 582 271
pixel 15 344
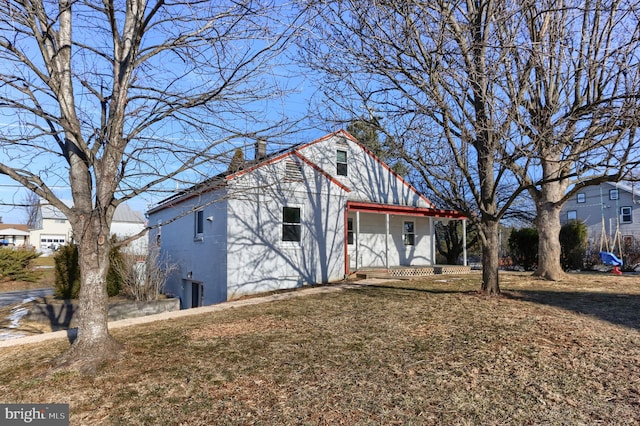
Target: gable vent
pixel 342 141
pixel 293 172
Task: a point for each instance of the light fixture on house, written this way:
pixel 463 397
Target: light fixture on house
pixel 210 218
pixel 189 275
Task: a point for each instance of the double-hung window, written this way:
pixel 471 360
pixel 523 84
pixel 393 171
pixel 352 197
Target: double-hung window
pixel 613 194
pixel 409 235
pixel 349 231
pixel 626 215
pixel 581 197
pixel 572 215
pixel 291 224
pixel 341 162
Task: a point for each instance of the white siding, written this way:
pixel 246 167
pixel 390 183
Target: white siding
pixel 205 259
pixel 258 258
pixel 50 227
pixel 372 250
pixel 242 250
pixel 367 178
pixel 128 229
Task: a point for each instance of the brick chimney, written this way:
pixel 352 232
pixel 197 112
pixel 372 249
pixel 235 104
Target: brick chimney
pixel 261 149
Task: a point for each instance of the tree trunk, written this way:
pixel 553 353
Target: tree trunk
pixel 548 205
pixel 548 224
pixel 93 344
pixel 489 232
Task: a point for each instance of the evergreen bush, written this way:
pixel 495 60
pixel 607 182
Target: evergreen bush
pixel 15 264
pixel 114 277
pixel 573 245
pixel 67 277
pixel 523 244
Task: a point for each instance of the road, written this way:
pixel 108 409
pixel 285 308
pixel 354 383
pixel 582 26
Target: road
pixel 12 297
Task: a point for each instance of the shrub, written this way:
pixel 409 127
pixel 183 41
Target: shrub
pixel 144 280
pixel 523 244
pixel 15 264
pixel 114 277
pixel 573 244
pixel 67 277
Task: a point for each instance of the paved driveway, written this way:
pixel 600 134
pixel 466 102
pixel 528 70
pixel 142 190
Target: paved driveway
pixel 12 297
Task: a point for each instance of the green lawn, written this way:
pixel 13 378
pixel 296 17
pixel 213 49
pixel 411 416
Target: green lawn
pixel 412 352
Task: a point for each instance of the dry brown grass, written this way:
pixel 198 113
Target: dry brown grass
pixel 419 352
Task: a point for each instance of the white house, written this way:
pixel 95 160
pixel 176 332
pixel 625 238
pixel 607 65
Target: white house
pixel 52 229
pixel 309 214
pixel 14 235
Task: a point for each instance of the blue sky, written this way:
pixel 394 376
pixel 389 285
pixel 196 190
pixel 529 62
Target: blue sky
pixel 292 91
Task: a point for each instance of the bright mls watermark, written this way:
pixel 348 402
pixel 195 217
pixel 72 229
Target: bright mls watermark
pixel 34 414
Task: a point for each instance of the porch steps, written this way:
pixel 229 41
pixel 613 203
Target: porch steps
pixel 411 272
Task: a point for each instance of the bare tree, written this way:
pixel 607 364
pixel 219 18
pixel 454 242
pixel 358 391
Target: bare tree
pixel 576 71
pixel 433 69
pixel 31 204
pixel 492 98
pixel 114 98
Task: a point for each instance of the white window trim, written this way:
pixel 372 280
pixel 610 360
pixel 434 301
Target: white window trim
pixel 581 197
pixel 409 233
pixel 616 196
pixel 352 231
pixel 630 215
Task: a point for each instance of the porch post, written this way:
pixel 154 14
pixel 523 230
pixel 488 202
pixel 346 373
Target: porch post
pixel 464 242
pixel 432 231
pixel 357 239
pixel 386 241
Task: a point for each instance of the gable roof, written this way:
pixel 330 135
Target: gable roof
pixel 51 212
pixel 123 213
pixel 221 179
pixel 348 135
pixel 13 229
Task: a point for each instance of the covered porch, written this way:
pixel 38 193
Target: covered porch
pixel 397 239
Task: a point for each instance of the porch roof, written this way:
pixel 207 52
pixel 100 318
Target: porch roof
pixel 368 207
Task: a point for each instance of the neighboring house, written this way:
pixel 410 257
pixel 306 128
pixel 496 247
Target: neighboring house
pixel 309 214
pixel 606 209
pixel 52 229
pixel 14 235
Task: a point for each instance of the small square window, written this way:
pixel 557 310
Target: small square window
pixel 626 215
pixel 613 194
pixel 572 215
pixel 409 235
pixel 291 224
pixel 581 197
pixel 341 162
